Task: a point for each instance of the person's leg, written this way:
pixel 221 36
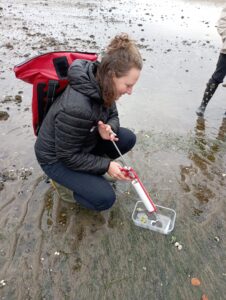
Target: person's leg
pixel 91 191
pixel 220 72
pixel 126 142
pixel 208 94
pixel 215 80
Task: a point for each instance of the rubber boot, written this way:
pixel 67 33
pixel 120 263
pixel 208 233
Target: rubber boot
pixel 64 193
pixel 208 94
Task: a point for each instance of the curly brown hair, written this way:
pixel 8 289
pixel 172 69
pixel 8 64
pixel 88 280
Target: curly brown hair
pixel 121 56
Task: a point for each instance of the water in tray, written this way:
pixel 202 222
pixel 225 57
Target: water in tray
pixel 161 221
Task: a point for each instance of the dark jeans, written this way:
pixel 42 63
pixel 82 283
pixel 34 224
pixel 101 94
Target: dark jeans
pixel 220 72
pixel 92 191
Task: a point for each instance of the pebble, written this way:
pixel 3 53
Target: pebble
pixel 216 238
pixel 18 98
pixel 4 115
pixel 178 245
pixel 2 283
pixel 13 174
pixel 8 98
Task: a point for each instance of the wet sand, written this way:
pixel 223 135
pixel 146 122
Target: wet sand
pixel 54 250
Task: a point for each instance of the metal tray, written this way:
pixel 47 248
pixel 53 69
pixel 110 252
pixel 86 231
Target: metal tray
pixel 162 221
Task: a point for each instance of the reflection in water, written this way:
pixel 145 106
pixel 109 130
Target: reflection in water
pixel 200 178
pixel 222 130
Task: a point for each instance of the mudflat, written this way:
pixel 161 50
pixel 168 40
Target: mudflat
pixel 54 250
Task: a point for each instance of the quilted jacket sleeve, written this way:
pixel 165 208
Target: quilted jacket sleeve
pixel 71 132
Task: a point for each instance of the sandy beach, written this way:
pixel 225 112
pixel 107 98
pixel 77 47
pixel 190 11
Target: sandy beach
pixel 54 250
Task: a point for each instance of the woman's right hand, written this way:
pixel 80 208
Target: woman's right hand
pixel 106 132
pixel 115 171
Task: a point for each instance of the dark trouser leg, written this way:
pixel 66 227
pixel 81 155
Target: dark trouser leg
pixel 215 80
pixel 126 142
pixel 91 191
pixel 220 72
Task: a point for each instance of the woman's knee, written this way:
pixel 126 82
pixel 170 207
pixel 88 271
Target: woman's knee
pixel 106 203
pixel 97 203
pixel 127 139
pixel 132 139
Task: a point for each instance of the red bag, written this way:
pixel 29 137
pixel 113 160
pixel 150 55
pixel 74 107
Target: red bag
pixel 48 74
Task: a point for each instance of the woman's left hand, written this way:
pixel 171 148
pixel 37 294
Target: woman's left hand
pixel 106 132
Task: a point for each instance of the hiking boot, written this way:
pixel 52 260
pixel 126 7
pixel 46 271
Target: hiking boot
pixel 208 94
pixel 64 193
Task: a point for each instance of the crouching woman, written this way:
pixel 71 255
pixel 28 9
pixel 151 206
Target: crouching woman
pixel 74 145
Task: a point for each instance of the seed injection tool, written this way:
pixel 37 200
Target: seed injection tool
pixel 146 214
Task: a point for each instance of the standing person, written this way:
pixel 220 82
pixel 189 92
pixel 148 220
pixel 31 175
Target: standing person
pixel 220 72
pixel 74 145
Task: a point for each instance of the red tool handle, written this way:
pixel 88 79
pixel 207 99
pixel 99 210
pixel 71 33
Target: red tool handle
pixel 130 172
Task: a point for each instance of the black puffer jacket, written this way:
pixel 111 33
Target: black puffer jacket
pixel 69 131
